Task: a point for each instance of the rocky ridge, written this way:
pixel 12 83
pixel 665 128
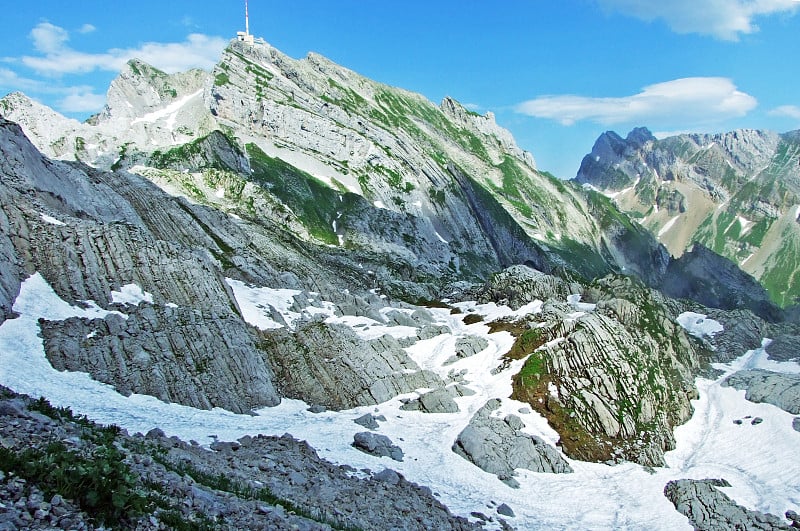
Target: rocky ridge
pixel 778 389
pixel 707 508
pixel 498 446
pixel 447 190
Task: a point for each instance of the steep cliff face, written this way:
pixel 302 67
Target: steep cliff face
pixel 736 193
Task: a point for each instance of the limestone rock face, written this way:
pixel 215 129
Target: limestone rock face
pixel 518 285
pixel 612 377
pixel 778 389
pixel 708 509
pixel 449 191
pixel 90 233
pixel 169 353
pixel 498 446
pixel 330 366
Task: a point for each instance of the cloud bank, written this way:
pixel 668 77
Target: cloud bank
pixel 57 58
pixel 723 19
pixel 692 100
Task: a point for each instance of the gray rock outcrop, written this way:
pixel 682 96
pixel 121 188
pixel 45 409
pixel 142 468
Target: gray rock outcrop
pixel 331 366
pixel 499 446
pixel 708 509
pixel 287 485
pixel 518 285
pixel 609 367
pixel 169 353
pixel 467 346
pixel 779 389
pixel 377 445
pixel 436 401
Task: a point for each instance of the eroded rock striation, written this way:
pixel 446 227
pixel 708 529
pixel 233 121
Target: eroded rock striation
pixel 613 376
pixel 708 509
pixel 330 365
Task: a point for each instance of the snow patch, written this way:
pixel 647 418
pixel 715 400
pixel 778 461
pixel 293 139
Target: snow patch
pixel 698 325
pixel 667 226
pixel 261 306
pixel 220 193
pixel 170 112
pixel 583 307
pixel 624 496
pixel 132 295
pixel 744 224
pixel 51 220
pixel 379 204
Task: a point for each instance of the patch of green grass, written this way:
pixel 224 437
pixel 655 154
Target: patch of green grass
pixel 315 204
pixel 222 79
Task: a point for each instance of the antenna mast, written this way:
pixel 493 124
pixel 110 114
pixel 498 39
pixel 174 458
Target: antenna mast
pixel 244 36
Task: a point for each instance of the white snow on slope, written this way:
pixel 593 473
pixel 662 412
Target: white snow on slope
pixel 668 225
pixel 759 461
pixel 698 325
pixel 131 294
pixel 169 113
pixel 51 220
pixel 744 224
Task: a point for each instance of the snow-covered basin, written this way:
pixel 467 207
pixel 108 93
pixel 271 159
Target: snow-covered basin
pixel 760 461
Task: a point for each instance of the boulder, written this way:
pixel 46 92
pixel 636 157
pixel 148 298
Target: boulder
pixel 436 401
pixel 498 446
pixel 377 445
pixel 368 421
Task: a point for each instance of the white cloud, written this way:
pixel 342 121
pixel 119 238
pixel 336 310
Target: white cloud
pixel 87 28
pixel 691 100
pixel 48 38
pixel 197 51
pixel 723 19
pixel 790 111
pixel 81 100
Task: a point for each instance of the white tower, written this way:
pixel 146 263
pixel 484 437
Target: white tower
pixel 244 36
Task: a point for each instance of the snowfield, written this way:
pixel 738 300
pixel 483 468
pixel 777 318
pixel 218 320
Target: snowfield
pixel 760 461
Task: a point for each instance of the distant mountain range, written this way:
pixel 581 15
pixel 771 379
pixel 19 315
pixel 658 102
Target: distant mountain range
pixel 736 193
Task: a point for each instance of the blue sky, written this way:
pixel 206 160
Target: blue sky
pixel 556 73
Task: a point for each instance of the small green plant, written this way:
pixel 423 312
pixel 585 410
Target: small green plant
pixel 99 481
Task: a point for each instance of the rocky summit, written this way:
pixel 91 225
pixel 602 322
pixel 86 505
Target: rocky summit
pixel 330 291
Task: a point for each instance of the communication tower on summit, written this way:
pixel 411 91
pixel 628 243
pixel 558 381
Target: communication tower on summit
pixel 244 36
